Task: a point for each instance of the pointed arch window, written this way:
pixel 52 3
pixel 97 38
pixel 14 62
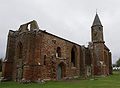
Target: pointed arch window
pixel 73 56
pixel 58 52
pixel 44 59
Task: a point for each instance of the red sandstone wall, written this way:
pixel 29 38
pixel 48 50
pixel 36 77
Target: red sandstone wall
pixel 98 56
pixel 38 44
pixel 48 47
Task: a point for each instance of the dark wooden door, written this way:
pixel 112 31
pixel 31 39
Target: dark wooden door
pixel 59 73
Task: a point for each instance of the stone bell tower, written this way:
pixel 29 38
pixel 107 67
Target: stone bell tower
pixel 98 46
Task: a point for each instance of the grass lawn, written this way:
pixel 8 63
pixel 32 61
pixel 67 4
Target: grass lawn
pixel 112 81
pixel 0 73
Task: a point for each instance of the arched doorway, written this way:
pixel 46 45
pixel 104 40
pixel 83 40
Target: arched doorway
pixel 61 71
pixel 73 56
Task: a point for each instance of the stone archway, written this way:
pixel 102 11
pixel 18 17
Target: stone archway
pixel 61 71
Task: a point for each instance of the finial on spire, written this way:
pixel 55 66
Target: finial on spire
pixel 96 11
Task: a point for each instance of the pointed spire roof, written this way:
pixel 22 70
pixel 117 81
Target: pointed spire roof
pixel 96 21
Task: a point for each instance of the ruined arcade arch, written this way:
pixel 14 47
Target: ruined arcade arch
pixel 19 62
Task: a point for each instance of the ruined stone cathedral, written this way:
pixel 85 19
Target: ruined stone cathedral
pixel 33 54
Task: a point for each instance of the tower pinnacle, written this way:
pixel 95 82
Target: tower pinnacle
pixel 96 21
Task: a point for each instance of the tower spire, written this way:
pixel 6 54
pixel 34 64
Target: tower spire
pixel 96 20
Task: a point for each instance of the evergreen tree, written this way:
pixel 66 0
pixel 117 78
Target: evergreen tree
pixel 118 63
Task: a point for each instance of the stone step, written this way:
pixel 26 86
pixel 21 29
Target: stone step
pixel 2 79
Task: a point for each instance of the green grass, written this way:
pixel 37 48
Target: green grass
pixel 0 73
pixel 112 81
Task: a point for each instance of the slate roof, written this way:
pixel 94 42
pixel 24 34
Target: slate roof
pixel 97 21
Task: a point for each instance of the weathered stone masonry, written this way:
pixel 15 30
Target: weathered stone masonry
pixel 34 54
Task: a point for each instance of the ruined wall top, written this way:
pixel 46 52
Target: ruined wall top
pixel 30 26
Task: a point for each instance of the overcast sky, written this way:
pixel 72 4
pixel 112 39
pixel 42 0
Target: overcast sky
pixel 69 19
